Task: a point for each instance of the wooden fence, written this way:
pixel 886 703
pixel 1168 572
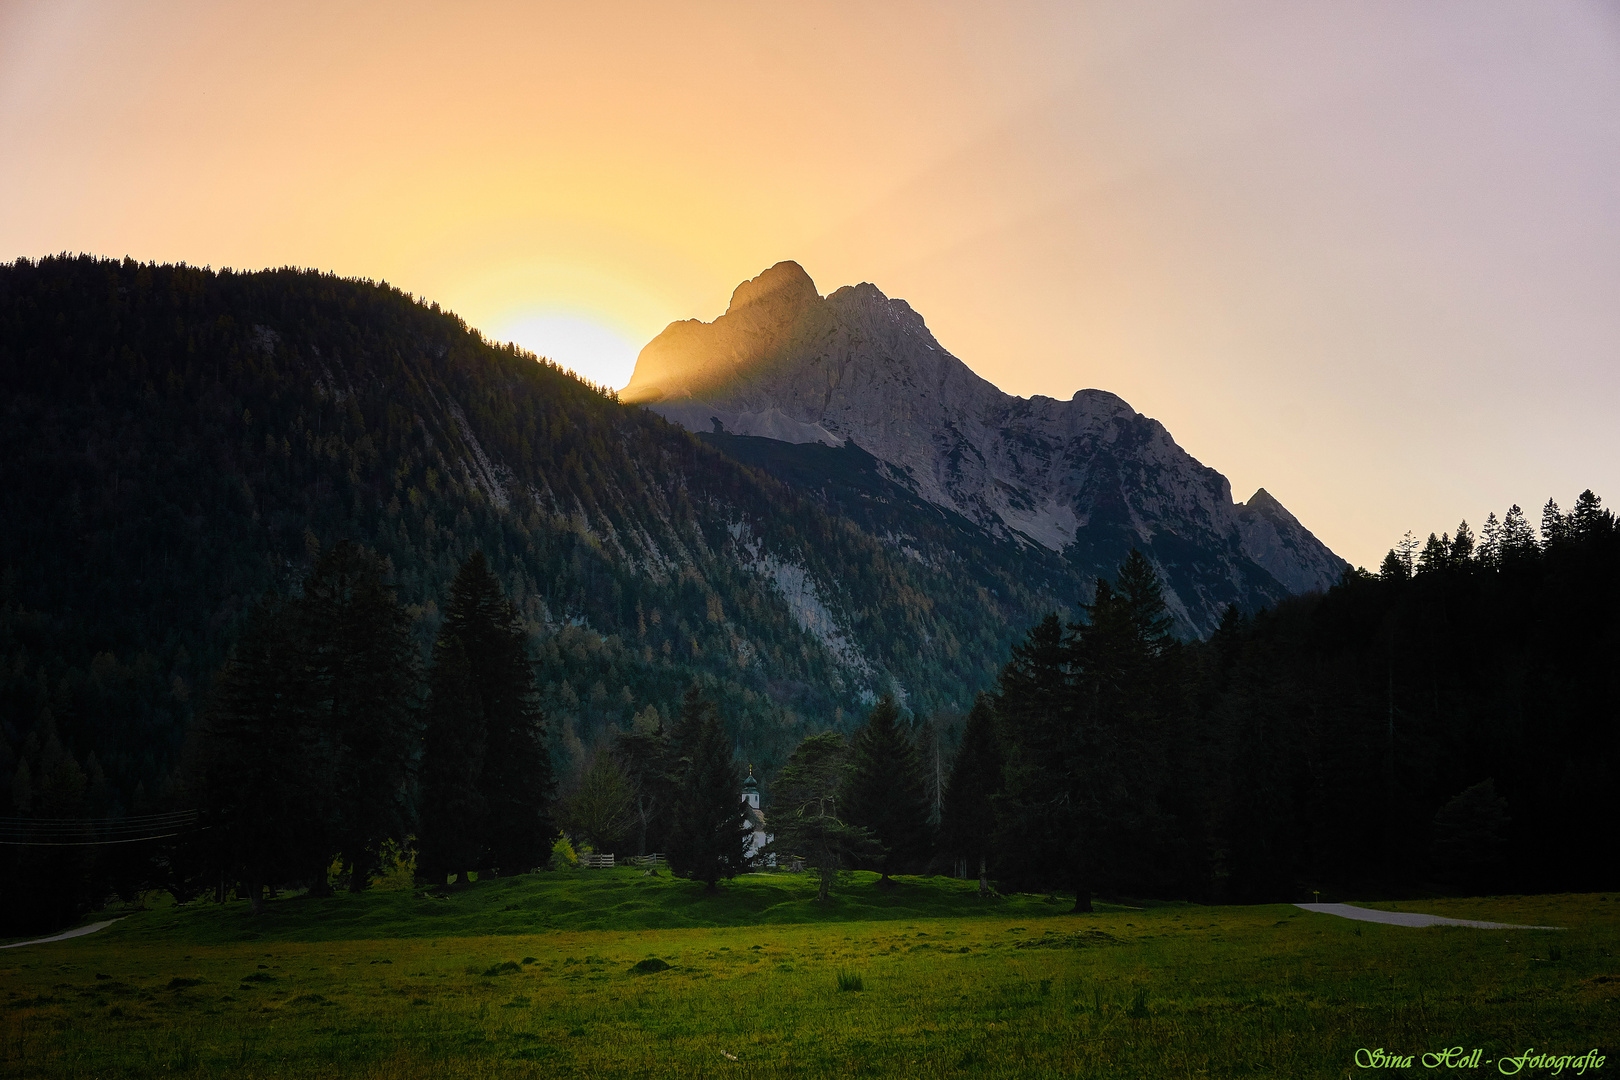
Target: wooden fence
pixel 605 862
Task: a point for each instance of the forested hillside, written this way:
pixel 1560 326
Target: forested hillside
pixel 1450 723
pixel 178 442
pixel 186 455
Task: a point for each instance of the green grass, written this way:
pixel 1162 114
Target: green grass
pixel 755 985
pixel 618 899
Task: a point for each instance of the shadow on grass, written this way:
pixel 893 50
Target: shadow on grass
pixel 616 899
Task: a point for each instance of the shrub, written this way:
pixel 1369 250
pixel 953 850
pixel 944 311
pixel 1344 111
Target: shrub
pixel 562 853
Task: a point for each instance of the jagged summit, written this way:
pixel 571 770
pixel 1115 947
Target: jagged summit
pixel 785 284
pixel 1089 476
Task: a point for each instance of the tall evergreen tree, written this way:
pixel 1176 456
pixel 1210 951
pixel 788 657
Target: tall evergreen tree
pixel 1490 541
pixel 514 774
pixel 362 668
pixel 709 836
pixel 1588 518
pixel 1037 815
pixel 450 834
pixel 1518 539
pixel 967 821
pixel 1120 750
pixel 885 792
pixel 1436 554
pixel 261 766
pixel 1462 545
pixel 1554 525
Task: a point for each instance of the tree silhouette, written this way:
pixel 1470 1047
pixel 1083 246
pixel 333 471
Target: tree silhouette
pixel 709 835
pixel 885 792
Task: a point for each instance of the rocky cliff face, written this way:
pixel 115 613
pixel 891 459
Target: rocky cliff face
pixel 1089 477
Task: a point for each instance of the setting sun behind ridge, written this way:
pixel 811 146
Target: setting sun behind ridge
pixel 584 343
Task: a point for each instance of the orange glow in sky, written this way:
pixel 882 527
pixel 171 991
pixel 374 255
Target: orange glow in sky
pixel 1364 254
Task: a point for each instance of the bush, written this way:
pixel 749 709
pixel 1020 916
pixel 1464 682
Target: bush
pixel 562 854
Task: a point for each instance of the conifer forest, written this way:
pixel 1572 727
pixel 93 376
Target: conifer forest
pixel 300 576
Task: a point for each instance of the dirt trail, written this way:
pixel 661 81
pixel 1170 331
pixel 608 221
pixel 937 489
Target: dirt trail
pixel 1412 918
pixel 79 932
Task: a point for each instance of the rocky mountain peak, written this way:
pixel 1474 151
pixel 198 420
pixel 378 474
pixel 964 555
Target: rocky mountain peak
pixel 784 285
pixel 1089 477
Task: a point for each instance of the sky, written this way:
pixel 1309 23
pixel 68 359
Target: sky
pixel 1363 254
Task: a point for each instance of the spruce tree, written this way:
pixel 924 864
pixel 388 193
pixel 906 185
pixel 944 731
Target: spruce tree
pixel 1518 538
pixel 885 792
pixel 1150 623
pixel 450 834
pixel 1490 541
pixel 363 673
pixel 498 695
pixel 1588 519
pixel 1462 545
pixel 261 768
pixel 967 826
pixel 1554 525
pixel 709 835
pixel 1037 816
pixel 1115 755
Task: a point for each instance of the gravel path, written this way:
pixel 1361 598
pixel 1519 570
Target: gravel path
pixel 1407 918
pixel 80 932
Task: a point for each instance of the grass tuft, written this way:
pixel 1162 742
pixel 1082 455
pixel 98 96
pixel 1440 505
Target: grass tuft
pixel 850 980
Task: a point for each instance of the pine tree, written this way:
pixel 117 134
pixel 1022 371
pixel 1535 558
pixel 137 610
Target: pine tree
pixel 1143 595
pixel 1036 701
pixel 805 812
pixel 1554 526
pixel 1436 554
pixel 1406 552
pixel 885 792
pixel 450 835
pixel 967 825
pixel 262 767
pixel 1490 541
pixel 363 670
pixel 514 771
pixel 1518 539
pixel 1462 545
pixel 1588 519
pixel 709 836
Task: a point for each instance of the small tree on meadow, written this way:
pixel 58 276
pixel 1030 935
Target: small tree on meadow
pixel 602 810
pixel 804 812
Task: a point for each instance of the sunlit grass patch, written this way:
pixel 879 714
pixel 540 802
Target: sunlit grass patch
pixel 1165 991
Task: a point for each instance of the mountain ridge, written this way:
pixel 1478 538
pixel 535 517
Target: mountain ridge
pixel 176 443
pixel 1088 476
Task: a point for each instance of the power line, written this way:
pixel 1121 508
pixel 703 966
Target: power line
pixel 92 832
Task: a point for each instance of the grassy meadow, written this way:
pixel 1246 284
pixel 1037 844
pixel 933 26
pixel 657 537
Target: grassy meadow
pixel 610 973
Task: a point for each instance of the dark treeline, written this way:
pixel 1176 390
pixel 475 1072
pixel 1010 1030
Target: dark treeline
pixel 177 444
pixel 319 749
pixel 1449 723
pixel 1446 724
